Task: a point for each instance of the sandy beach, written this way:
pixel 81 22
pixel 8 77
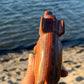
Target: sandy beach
pixel 13 66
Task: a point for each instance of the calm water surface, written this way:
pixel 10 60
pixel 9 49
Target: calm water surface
pixel 19 21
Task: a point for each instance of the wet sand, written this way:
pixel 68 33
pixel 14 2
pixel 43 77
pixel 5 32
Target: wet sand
pixel 14 65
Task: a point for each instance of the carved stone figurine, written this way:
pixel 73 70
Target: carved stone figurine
pixel 48 50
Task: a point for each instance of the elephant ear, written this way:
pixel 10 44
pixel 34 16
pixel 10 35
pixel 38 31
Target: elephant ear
pixel 41 26
pixel 46 25
pixel 61 27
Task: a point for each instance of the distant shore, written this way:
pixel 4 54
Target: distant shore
pixel 13 66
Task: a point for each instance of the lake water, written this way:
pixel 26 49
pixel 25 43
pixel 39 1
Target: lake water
pixel 19 21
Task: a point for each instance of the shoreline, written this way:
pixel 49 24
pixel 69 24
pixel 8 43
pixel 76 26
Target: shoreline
pixel 13 66
pixel 65 43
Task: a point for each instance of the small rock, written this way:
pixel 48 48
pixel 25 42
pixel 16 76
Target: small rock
pixel 12 69
pixel 23 59
pixel 9 75
pixel 18 79
pixel 3 78
pixel 25 69
pixel 10 82
pixel 5 70
pixel 18 73
pixel 79 78
pixel 78 66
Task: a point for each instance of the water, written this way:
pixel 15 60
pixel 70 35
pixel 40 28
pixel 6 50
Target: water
pixel 19 21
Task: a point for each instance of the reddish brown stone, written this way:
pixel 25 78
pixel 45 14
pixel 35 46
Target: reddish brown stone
pixel 48 50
